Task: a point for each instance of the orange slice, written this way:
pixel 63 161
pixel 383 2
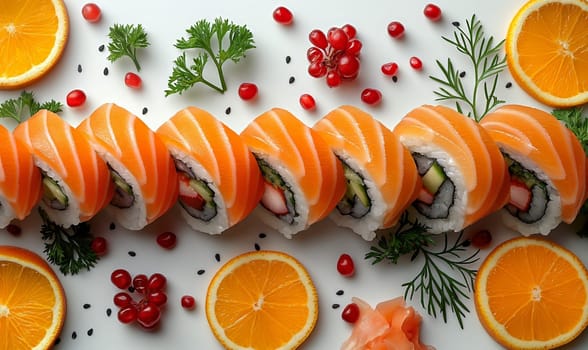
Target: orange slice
pixel 32 301
pixel 33 34
pixel 531 293
pixel 546 51
pixel 262 300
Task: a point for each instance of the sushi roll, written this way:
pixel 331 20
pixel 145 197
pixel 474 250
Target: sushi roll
pixel 382 179
pixel 75 180
pixel 219 180
pixel 20 179
pixel 463 172
pixel 303 179
pixel 140 165
pixel 547 165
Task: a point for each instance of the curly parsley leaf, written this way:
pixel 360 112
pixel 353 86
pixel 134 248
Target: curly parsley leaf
pixel 25 105
pixel 125 39
pixel 210 40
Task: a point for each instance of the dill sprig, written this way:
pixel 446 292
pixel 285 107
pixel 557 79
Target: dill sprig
pixel 25 105
pixel 125 39
pixel 446 277
pixel 487 63
pixel 69 249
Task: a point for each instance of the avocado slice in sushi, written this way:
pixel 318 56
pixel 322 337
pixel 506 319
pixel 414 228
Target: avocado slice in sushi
pixel 438 195
pixel 356 201
pixel 53 194
pixel 123 194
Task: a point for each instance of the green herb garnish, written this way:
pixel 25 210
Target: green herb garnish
pixel 69 249
pixel 439 292
pixel 209 39
pixel 487 63
pixel 125 39
pixel 25 105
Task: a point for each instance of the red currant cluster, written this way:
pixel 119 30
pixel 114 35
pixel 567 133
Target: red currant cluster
pixel 147 311
pixel 334 55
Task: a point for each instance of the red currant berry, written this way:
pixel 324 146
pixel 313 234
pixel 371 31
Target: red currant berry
pixel 75 98
pixel 390 68
pixel 396 30
pixel 188 302
pixel 121 278
pixel 416 63
pixel 432 12
pixel 140 283
pixel 318 39
pixel 156 282
pixel 317 69
pixel 167 240
pixel 247 91
pixel 283 16
pixel 307 102
pixel 333 79
pixel 337 38
pixel 99 246
pixel 371 96
pixel 13 229
pixel 353 47
pixel 149 315
pixel 127 314
pixel 132 80
pixel 349 30
pixel 345 265
pixel 350 313
pixel 158 298
pixel 348 66
pixel 122 299
pixel 91 12
pixel 314 54
pixel 481 239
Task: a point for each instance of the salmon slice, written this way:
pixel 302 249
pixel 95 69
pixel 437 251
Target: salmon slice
pixel 472 150
pixel 355 135
pixel 222 153
pixel 279 136
pixel 119 135
pixel 20 179
pixel 71 157
pixel 539 137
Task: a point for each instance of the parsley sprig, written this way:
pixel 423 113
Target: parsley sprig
pixel 69 249
pixel 210 39
pixel 125 39
pixel 487 63
pixel 25 105
pixel 439 292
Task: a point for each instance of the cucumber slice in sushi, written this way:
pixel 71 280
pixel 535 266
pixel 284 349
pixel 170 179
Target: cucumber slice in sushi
pixel 53 194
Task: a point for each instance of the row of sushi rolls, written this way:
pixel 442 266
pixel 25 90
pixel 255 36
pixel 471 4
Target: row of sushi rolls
pixel 439 165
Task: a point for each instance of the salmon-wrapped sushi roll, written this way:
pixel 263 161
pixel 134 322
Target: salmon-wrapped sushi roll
pixel 219 180
pixel 20 179
pixel 547 166
pixel 382 179
pixel 141 167
pixel 464 174
pixel 304 180
pixel 76 182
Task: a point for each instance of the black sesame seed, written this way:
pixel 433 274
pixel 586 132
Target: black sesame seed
pixel 288 59
pixel 74 335
pixel 466 243
pixel 340 292
pixel 228 111
pixel 86 306
pixel 108 312
pixel 256 246
pixel 112 226
pixel 200 272
pixel 131 289
pixel 462 74
pixel 217 257
pixel 335 306
pixel 105 71
pixel 455 24
pixel 79 68
pixel 395 79
pixel 132 253
pixel 90 332
pixel 291 80
pixel 101 48
pixel 57 341
pixel 262 235
pixel 145 110
pixel 508 85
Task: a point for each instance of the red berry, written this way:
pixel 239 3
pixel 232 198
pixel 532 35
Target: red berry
pixel 99 246
pixel 337 38
pixel 149 315
pixel 348 66
pixel 307 102
pixel 75 98
pixel 127 314
pixel 121 278
pixel 167 240
pixel 14 229
pixel 416 63
pixel 432 12
pixel 353 47
pixel 314 54
pixel 371 96
pixel 156 282
pixel 158 298
pixel 481 239
pixel 345 265
pixel 122 299
pixel 132 80
pixel 349 30
pixel 91 12
pixel 333 78
pixel 350 313
pixel 247 91
pixel 396 30
pixel 140 283
pixel 283 16
pixel 188 302
pixel 318 39
pixel 317 69
pixel 390 68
